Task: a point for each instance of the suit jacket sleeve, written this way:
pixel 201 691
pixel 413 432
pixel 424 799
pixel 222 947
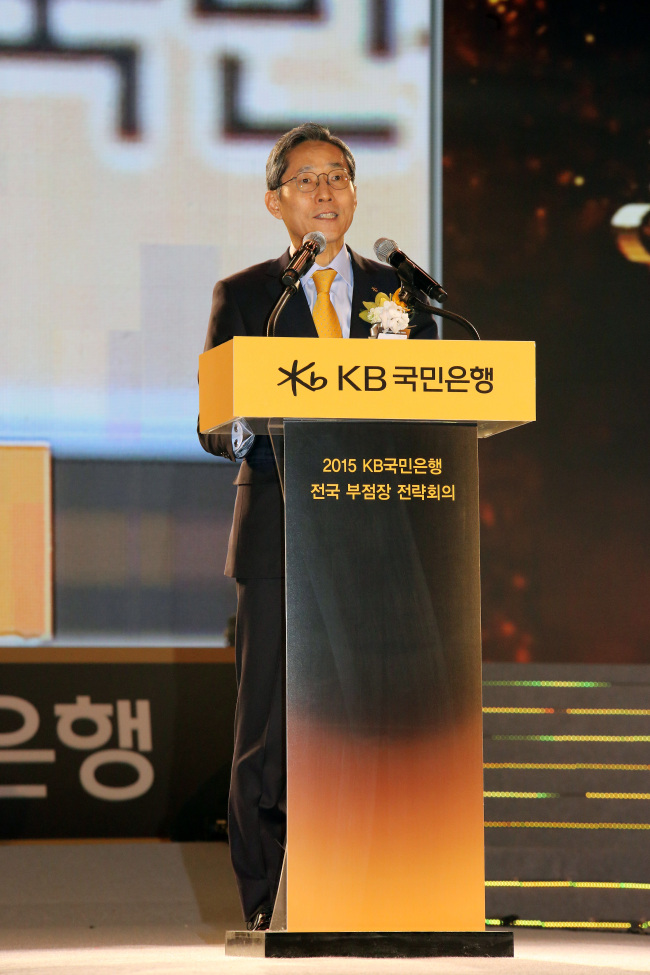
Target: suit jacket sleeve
pixel 225 322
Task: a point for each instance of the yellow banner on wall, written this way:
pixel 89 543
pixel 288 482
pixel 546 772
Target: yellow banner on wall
pixel 25 541
pixel 492 383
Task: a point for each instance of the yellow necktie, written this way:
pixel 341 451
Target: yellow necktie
pixel 325 317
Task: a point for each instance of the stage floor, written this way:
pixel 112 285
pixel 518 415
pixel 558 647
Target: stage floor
pixel 163 908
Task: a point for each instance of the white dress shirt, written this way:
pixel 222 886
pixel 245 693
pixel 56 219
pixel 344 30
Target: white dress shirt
pixel 340 290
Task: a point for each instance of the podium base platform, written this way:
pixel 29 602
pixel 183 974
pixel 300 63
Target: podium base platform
pixel 370 944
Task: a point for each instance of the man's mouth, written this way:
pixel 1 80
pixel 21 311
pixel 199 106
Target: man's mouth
pixel 330 215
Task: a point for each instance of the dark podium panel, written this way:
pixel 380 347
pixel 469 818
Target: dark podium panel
pixel 370 944
pixel 384 751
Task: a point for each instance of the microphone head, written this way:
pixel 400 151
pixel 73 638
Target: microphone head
pixel 318 239
pixel 384 247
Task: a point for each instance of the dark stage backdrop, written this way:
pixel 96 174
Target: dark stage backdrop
pixel 546 136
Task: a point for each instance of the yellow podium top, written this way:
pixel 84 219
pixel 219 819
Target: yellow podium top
pixel 491 383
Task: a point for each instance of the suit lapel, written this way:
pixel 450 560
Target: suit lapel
pixel 295 320
pixel 362 291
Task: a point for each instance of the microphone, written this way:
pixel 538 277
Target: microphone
pixel 313 244
pixel 408 272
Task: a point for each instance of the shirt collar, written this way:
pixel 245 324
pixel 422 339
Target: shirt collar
pixel 342 264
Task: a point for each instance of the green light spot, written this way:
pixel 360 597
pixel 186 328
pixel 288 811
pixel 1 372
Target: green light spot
pixel 546 683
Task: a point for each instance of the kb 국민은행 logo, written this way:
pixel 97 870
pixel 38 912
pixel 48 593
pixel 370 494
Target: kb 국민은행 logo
pixel 293 376
pixel 372 378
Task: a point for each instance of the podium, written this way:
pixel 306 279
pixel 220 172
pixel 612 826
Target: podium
pixel 377 450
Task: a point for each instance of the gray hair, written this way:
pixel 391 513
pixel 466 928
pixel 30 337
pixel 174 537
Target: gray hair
pixel 276 164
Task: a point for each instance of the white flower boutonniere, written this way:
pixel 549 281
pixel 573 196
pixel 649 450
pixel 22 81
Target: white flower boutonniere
pixel 388 314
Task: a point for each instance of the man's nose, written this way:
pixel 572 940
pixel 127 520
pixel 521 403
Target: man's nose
pixel 324 188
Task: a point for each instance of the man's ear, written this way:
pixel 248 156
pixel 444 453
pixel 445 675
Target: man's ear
pixel 273 204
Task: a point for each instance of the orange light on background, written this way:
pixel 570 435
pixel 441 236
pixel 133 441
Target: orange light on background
pixel 25 541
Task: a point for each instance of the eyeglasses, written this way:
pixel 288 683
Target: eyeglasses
pixel 337 179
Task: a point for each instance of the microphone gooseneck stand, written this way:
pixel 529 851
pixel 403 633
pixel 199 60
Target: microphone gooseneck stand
pixel 414 303
pixel 278 307
pixel 303 259
pixel 275 425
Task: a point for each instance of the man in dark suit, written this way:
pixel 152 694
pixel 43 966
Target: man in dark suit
pixel 311 186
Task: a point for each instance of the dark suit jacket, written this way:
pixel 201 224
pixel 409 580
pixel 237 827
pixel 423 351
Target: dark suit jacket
pixel 241 305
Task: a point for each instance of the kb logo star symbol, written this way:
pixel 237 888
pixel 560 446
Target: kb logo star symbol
pixel 293 376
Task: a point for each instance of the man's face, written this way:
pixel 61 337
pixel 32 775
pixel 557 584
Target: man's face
pixel 324 209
